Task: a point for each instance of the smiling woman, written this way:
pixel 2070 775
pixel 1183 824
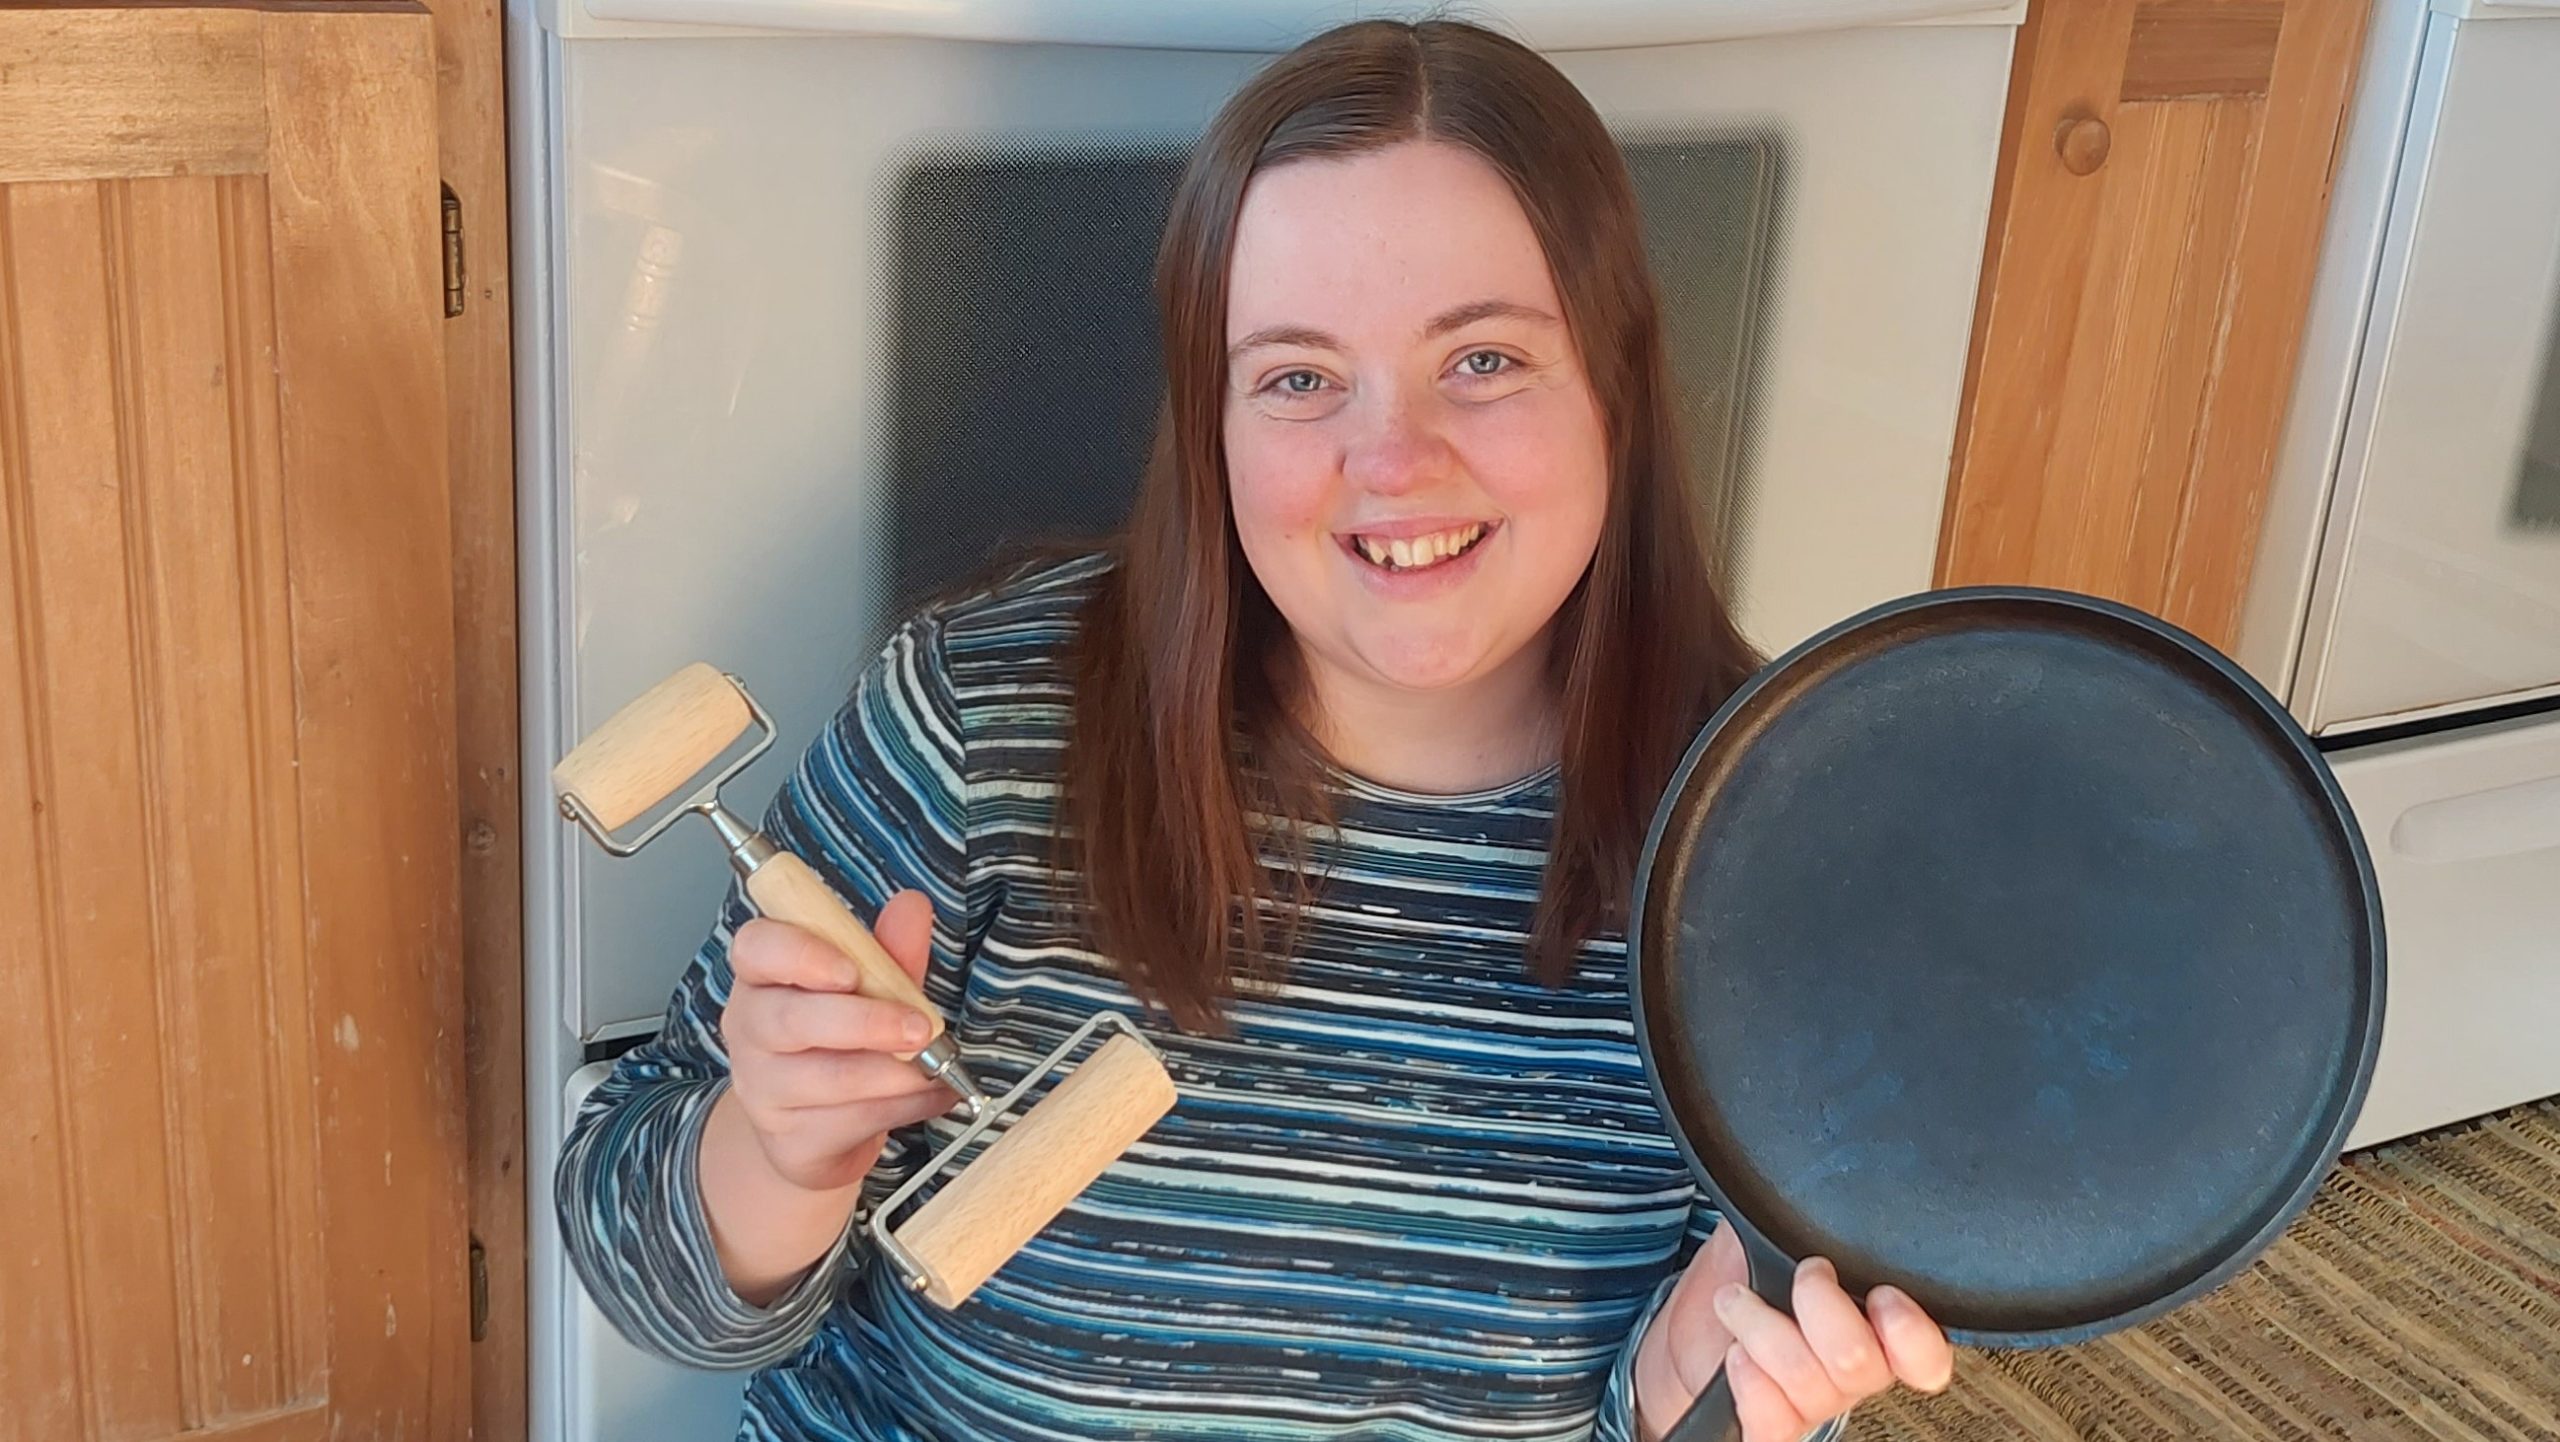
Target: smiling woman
pixel 1337 766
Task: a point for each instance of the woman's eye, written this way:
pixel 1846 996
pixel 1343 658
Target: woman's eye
pixel 1484 363
pixel 1299 394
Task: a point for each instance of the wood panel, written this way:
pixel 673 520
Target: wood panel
pixel 479 385
pixel 2193 49
pixel 2271 269
pixel 2165 171
pixel 358 227
pixel 97 93
pixel 225 643
pixel 145 679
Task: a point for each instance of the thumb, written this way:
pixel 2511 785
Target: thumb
pixel 1691 1307
pixel 1721 1260
pixel 905 930
pixel 1684 1346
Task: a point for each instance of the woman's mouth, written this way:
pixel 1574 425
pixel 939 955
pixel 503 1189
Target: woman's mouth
pixel 1399 554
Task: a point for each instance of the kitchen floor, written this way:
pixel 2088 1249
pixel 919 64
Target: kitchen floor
pixel 2419 1297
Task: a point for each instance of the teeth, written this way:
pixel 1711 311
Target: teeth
pixel 1413 553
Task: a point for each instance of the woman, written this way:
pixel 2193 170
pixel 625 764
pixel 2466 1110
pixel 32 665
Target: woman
pixel 1333 772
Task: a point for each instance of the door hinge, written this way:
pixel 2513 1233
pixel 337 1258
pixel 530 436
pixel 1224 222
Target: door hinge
pixel 479 1291
pixel 452 252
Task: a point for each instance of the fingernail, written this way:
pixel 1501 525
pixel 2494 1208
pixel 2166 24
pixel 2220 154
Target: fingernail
pixel 1815 1267
pixel 1889 1295
pixel 918 1031
pixel 1726 1296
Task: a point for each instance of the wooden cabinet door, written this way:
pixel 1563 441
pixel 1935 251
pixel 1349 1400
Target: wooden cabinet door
pixel 231 1099
pixel 2164 173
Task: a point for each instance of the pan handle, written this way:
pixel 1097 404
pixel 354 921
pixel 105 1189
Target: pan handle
pixel 1711 1418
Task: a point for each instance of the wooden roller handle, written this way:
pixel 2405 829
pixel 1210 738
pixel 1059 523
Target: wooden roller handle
pixel 1044 1161
pixel 786 889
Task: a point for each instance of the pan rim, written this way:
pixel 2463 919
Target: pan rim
pixel 2312 1169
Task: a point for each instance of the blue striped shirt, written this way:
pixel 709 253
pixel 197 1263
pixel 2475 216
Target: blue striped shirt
pixel 1414 1195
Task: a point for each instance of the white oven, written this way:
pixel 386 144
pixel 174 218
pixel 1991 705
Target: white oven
pixel 2406 600
pixel 817 299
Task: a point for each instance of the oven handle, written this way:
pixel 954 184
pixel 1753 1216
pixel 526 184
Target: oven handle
pixel 1265 25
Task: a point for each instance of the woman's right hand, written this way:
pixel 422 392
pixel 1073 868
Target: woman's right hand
pixel 817 1070
pixel 815 1087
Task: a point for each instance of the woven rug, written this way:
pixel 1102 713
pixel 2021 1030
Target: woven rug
pixel 2419 1297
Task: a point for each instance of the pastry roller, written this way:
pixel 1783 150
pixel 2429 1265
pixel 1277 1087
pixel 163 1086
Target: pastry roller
pixel 959 1237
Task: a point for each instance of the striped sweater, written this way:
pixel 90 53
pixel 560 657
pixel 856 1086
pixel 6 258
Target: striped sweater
pixel 1414 1194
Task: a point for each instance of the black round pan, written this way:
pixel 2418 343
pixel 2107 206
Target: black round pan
pixel 2013 947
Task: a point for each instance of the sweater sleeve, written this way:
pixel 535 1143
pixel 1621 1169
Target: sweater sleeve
pixel 877 804
pixel 1617 1421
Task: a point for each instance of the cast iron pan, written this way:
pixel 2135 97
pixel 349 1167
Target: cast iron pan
pixel 2013 947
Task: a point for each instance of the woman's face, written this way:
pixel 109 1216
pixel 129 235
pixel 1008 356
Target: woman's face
pixel 1415 456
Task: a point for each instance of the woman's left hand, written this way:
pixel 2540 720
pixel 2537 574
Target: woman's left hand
pixel 1790 1374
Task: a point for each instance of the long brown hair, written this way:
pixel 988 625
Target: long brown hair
pixel 1184 756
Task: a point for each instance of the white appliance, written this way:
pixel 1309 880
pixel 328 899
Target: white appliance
pixel 2406 601
pixel 815 298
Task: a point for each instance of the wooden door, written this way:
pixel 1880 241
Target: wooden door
pixel 232 1096
pixel 2164 174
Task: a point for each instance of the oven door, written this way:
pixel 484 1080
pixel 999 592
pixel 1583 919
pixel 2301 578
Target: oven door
pixel 2437 589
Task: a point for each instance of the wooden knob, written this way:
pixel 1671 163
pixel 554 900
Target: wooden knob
pixel 2082 141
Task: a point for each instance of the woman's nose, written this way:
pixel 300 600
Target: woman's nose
pixel 1398 448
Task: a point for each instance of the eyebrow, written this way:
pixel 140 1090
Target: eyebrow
pixel 1454 318
pixel 1476 310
